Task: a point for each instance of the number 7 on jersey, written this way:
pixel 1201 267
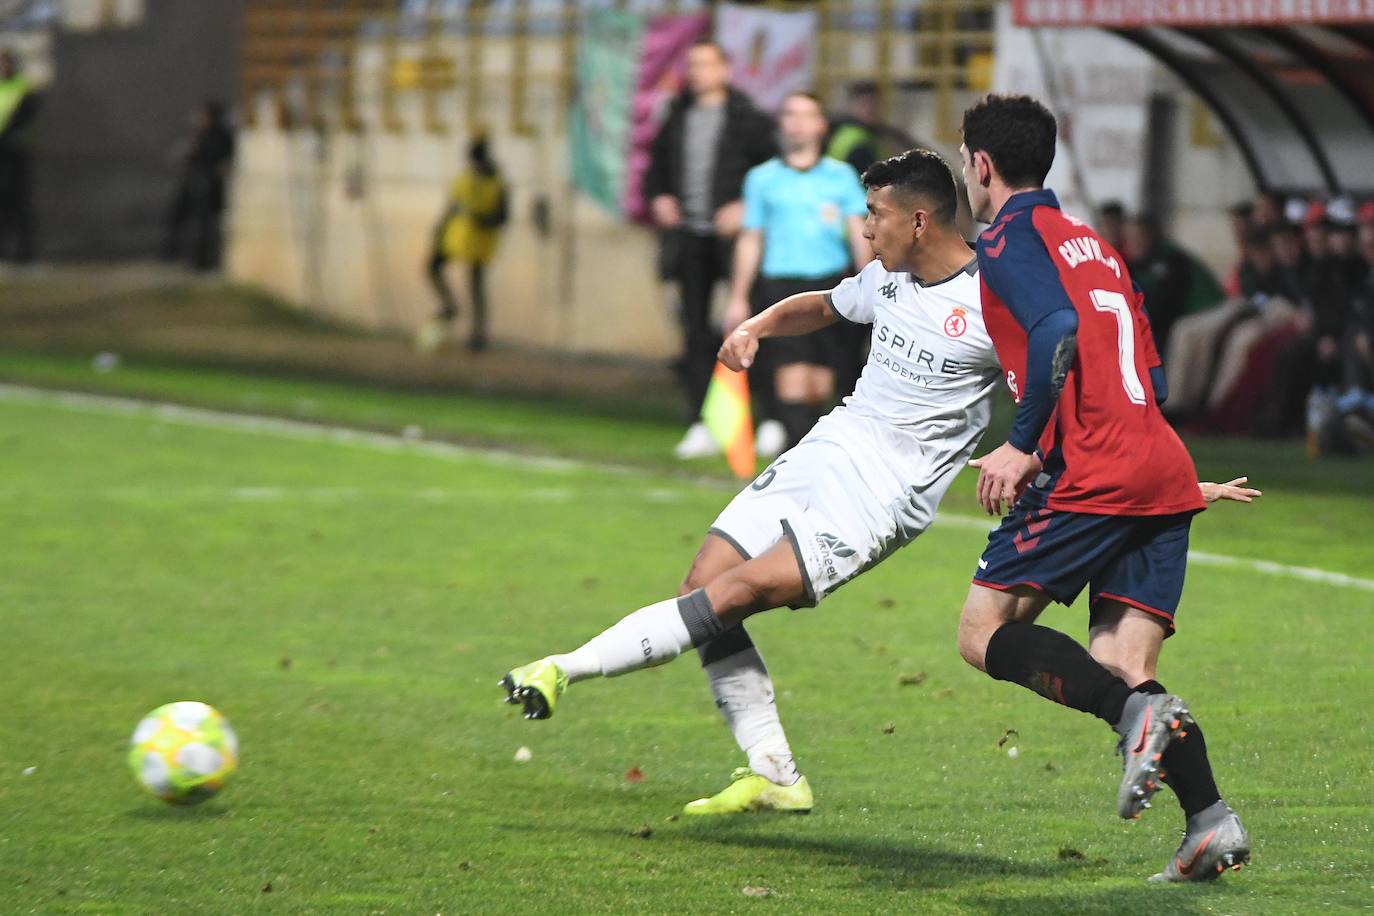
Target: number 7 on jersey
pixel 1105 300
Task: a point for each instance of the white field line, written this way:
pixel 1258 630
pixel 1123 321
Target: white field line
pixel 1207 558
pixel 342 435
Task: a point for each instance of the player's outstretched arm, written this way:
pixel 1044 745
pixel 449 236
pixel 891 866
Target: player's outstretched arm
pixel 1234 490
pixel 799 314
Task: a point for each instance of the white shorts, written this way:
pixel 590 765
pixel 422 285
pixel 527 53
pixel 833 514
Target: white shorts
pixel 842 499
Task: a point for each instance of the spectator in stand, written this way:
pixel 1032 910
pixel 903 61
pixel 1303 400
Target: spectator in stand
pixel 1312 357
pixel 1259 268
pixel 1111 224
pixel 1340 408
pixel 206 155
pixel 1314 234
pixel 1239 216
pixel 1206 350
pixel 1356 403
pixel 1345 261
pixel 1294 265
pixel 1268 210
pixel 1173 281
pixel 711 137
pixel 18 107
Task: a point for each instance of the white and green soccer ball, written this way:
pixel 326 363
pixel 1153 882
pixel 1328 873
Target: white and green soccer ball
pixel 184 752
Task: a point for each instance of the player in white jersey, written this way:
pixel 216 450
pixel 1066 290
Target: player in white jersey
pixel 863 483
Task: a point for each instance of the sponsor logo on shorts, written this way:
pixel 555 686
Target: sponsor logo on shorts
pixel 982 564
pixel 831 547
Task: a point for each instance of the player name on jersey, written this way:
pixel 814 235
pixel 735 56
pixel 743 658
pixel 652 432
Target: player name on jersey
pixel 1087 249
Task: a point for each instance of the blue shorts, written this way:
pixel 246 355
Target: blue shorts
pixel 1138 560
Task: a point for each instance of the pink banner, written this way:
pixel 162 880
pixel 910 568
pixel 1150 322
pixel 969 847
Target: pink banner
pixel 662 67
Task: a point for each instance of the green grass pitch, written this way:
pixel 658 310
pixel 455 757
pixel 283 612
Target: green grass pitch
pixel 350 608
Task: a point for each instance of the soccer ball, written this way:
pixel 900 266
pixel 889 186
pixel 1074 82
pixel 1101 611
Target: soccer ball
pixel 184 752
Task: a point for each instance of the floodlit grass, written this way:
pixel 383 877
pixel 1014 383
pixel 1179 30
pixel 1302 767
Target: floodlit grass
pixel 351 608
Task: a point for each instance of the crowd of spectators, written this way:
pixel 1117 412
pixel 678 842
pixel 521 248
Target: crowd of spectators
pixel 1287 350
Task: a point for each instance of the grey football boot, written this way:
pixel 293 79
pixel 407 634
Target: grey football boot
pixel 1149 724
pixel 1214 841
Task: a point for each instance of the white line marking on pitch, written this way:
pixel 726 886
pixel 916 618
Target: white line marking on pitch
pixel 384 442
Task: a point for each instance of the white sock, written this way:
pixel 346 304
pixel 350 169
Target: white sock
pixel 744 696
pixel 650 636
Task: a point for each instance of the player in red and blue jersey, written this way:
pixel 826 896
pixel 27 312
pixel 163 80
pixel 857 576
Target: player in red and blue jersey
pixel 1101 491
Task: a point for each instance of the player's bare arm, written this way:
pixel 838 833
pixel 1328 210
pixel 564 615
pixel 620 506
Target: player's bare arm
pixel 799 314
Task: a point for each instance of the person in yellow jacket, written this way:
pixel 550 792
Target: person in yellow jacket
pixel 467 232
pixel 18 105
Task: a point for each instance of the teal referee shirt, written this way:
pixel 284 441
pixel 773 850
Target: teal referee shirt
pixel 802 215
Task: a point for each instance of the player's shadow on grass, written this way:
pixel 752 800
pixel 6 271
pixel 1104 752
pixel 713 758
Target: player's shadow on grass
pixel 903 866
pixel 898 865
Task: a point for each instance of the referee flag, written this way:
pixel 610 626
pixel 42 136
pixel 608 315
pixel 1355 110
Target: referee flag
pixel 726 414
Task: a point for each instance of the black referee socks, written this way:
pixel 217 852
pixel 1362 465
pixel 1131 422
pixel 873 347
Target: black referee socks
pixel 797 417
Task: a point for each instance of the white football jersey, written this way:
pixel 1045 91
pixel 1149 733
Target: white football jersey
pixel 932 366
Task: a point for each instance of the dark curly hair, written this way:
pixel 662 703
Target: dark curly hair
pixel 920 172
pixel 1017 133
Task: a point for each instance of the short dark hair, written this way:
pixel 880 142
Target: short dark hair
pixel 1112 209
pixel 806 94
pixel 921 172
pixel 1150 222
pixel 1287 228
pixel 1017 133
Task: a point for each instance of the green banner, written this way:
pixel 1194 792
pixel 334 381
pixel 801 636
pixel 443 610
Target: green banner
pixel 602 110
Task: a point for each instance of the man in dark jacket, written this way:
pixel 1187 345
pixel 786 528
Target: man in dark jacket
pixel 712 136
pixel 1173 281
pixel 207 156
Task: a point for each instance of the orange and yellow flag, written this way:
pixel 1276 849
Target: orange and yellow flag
pixel 726 414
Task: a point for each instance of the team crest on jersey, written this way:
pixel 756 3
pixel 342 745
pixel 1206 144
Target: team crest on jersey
pixel 956 324
pixel 830 214
pixel 889 290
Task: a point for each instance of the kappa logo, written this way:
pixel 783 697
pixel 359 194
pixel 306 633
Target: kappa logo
pixel 889 290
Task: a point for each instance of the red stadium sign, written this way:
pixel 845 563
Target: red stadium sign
pixel 1128 14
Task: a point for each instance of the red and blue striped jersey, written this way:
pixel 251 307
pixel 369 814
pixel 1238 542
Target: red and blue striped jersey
pixel 1107 447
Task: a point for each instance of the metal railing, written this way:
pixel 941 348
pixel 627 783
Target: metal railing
pixel 308 51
